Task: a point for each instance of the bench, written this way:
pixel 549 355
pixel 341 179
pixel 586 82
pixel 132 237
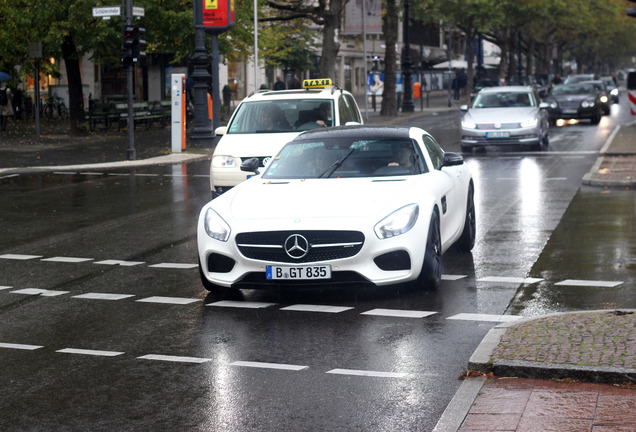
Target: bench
pixel 101 113
pixel 141 115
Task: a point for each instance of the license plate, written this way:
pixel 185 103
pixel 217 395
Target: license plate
pixel 299 272
pixel 569 111
pixel 498 134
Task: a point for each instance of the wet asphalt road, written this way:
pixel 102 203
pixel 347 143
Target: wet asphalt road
pixel 104 324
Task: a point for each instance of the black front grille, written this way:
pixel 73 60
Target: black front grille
pixel 323 245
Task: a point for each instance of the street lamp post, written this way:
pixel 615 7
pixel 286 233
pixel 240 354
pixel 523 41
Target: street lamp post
pixel 202 131
pixel 407 102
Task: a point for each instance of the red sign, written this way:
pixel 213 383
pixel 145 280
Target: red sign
pixel 218 15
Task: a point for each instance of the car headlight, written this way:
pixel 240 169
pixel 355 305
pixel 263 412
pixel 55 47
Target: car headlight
pixel 224 162
pixel 530 122
pixel 398 222
pixel 215 226
pixel 587 104
pixel 604 99
pixel 554 105
pixel 467 124
pixel 614 92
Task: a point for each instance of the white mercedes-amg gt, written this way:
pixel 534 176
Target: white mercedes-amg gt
pixel 355 204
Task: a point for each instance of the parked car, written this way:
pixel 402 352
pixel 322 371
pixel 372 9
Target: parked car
pixel 505 116
pixel 612 87
pixel 362 204
pixel 575 101
pixel 266 120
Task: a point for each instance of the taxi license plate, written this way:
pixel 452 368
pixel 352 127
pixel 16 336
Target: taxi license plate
pixel 497 134
pixel 299 272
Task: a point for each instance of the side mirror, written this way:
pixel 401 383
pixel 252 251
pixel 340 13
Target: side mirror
pixel 544 105
pixel 452 159
pixel 250 165
pixel 464 108
pixel 221 130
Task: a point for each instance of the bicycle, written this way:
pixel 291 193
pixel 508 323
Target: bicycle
pixel 55 108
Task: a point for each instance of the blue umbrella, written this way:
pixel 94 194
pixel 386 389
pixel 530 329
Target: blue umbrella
pixel 4 76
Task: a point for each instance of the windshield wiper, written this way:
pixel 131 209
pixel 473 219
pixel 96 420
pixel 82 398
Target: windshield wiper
pixel 334 166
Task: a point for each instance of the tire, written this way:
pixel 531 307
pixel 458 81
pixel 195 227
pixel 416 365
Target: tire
pixel 466 241
pixel 206 283
pixel 431 273
pixel 596 119
pixel 49 111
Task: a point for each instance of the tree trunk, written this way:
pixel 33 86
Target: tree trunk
pixel 330 48
pixel 71 60
pixel 389 102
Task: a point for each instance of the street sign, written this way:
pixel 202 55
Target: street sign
pixel 107 11
pixel 138 11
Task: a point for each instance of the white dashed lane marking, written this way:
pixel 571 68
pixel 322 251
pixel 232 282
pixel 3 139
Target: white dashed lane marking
pixel 177 359
pixel 453 277
pixel 263 365
pixel 399 313
pixel 316 308
pixel 239 304
pixel 367 373
pixel 168 300
pixel 174 266
pixel 484 317
pixel 20 346
pixel 90 352
pixel 5 287
pixel 67 259
pixel 121 263
pixel 589 283
pixel 19 256
pixel 103 296
pixel 42 292
pixel 503 279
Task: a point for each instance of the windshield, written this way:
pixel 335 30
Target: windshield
pixel 294 115
pixel 504 100
pixel 573 89
pixel 342 158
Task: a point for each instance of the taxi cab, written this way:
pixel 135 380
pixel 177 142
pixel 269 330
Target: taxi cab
pixel 266 120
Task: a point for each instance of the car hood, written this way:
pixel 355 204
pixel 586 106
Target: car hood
pixel 501 115
pixel 253 145
pixel 573 97
pixel 318 198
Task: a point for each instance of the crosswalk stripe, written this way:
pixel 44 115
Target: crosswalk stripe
pixel 398 313
pixel 90 352
pixel 316 308
pixel 20 346
pixel 239 304
pixel 484 317
pixel 367 373
pixel 263 365
pixel 178 359
pixel 168 300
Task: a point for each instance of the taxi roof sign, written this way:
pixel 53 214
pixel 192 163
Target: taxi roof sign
pixel 317 83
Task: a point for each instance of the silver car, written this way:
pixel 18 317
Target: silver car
pixel 505 116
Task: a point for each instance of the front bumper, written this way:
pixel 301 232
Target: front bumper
pixel 500 137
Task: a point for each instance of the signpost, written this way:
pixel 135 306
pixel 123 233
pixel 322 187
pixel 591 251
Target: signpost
pixel 106 12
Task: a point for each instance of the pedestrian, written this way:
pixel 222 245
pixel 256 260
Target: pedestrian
pixel 456 86
pixel 296 84
pixel 279 85
pixel 227 96
pixel 6 107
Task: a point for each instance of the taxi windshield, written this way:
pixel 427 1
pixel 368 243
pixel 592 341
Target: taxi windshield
pixel 275 116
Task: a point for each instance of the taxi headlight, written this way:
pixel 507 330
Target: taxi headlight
pixel 215 226
pixel 530 122
pixel 398 222
pixel 467 124
pixel 224 161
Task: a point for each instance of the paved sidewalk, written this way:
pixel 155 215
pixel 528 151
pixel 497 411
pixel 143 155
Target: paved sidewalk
pixel 561 372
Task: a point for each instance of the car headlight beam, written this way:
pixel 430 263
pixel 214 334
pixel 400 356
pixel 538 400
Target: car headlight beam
pixel 398 222
pixel 215 226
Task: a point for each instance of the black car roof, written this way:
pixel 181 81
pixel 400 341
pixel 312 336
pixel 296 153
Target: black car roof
pixel 361 132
